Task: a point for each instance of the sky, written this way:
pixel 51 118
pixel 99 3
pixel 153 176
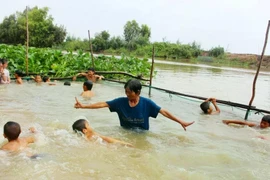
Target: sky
pixel 237 25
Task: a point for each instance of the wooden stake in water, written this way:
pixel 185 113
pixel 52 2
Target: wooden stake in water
pixel 258 69
pixel 27 41
pixel 152 68
pixel 91 49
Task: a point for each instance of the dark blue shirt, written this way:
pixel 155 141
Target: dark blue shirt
pixel 137 116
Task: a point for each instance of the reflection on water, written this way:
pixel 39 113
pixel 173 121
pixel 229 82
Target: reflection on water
pixel 207 150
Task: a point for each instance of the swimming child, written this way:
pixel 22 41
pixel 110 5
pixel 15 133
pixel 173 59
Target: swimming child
pixel 265 122
pixel 87 87
pixel 47 80
pixel 18 75
pixel 207 108
pixel 82 126
pixel 90 75
pixel 12 131
pixel 38 79
pixel 67 83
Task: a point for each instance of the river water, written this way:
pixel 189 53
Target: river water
pixel 207 150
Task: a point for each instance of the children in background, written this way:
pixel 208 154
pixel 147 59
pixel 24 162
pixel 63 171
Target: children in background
pixel 6 75
pixel 90 75
pixel 87 87
pixel 1 72
pixel 38 79
pixel 67 83
pixel 12 131
pixel 207 108
pixel 18 75
pixel 83 126
pixel 47 80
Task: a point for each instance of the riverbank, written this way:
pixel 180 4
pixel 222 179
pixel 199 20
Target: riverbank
pixel 233 60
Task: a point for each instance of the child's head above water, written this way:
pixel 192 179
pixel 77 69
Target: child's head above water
pixel 12 130
pixel 38 78
pixel 67 83
pixel 92 70
pixel 265 122
pixel 46 79
pixel 206 108
pixel 87 85
pixel 81 126
pixel 18 73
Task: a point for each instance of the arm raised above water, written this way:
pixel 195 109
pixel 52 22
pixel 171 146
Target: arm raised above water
pixel 172 117
pixel 90 106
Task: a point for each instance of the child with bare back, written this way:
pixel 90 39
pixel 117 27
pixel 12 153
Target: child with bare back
pixel 87 87
pixel 90 75
pixel 82 126
pixel 12 131
pixel 18 75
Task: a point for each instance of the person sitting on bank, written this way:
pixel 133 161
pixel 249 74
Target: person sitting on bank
pixel 12 130
pixel 82 126
pixel 87 87
pixel 18 75
pixel 207 108
pixel 134 110
pixel 90 75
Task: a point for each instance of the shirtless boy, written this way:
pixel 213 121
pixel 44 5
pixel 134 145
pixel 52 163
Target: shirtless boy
pixel 83 126
pixel 90 75
pixel 12 131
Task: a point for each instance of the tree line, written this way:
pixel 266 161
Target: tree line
pixel 134 41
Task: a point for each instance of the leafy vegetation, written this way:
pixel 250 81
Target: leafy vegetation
pixel 55 63
pixel 217 51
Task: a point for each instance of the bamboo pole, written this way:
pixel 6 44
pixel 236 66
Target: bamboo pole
pixel 152 68
pixel 91 49
pixel 258 69
pixel 27 41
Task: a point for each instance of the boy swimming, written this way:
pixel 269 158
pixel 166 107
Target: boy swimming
pixel 82 126
pixel 12 130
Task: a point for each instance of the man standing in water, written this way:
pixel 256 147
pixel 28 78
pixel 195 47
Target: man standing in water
pixel 134 111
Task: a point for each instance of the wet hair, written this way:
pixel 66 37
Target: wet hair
pixel 134 85
pixel 205 106
pixel 67 83
pixel 79 125
pixel 91 69
pixel 266 118
pixel 4 61
pixel 19 73
pixel 45 78
pixel 88 85
pixel 12 130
